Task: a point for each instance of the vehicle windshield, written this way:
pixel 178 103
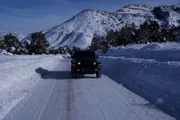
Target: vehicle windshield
pixel 84 54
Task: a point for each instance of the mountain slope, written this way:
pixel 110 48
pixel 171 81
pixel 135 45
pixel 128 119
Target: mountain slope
pixel 168 15
pixel 80 29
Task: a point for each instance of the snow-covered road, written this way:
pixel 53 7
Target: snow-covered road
pixel 58 97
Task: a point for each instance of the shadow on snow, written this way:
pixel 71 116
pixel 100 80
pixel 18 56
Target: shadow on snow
pixel 46 74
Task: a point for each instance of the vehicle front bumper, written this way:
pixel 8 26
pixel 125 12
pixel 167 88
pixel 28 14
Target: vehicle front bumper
pixel 85 70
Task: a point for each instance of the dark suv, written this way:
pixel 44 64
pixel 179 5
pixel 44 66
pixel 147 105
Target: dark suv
pixel 85 62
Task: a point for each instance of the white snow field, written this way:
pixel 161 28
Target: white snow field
pixel 151 71
pixel 40 88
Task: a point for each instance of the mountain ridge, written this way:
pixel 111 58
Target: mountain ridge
pixel 20 36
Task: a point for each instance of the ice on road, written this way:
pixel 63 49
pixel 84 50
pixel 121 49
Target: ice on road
pixel 58 97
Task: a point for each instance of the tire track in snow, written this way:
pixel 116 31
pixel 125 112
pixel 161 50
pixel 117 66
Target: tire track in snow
pixel 70 99
pixel 46 101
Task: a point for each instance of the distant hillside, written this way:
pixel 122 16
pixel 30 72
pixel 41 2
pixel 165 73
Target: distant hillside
pixel 20 36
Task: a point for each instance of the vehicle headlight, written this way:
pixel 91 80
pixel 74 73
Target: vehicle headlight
pixel 94 63
pixel 79 63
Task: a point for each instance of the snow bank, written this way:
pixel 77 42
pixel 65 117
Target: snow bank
pixel 18 76
pixel 153 75
pixel 166 52
pixel 152 47
pixel 17 70
pixel 5 52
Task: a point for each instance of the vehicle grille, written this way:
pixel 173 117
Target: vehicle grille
pixel 87 64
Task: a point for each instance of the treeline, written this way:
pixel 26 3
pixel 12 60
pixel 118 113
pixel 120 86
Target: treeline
pixel 148 32
pixel 37 45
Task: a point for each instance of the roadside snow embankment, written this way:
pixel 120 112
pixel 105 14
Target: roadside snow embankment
pixel 159 52
pixel 153 74
pixel 18 76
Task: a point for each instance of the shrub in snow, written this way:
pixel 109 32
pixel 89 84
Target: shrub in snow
pixel 95 44
pixel 151 47
pixel 11 44
pixel 13 49
pixel 105 46
pixel 1 44
pixel 5 52
pixel 159 101
pixel 176 32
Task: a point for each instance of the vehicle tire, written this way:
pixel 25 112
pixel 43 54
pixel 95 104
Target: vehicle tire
pixel 98 74
pixel 73 74
pixel 81 75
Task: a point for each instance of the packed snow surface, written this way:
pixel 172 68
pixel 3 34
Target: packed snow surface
pixel 40 88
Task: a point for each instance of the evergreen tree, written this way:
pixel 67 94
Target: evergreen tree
pixel 1 44
pixel 176 32
pixel 160 13
pixel 11 44
pixel 149 31
pixel 39 44
pixel 104 46
pixel 95 44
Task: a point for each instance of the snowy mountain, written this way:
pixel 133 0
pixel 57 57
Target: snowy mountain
pixel 20 36
pixel 80 29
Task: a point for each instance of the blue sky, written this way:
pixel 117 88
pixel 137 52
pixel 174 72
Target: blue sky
pixel 27 16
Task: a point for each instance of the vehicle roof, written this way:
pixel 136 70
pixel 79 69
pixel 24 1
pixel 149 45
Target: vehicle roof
pixel 84 51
